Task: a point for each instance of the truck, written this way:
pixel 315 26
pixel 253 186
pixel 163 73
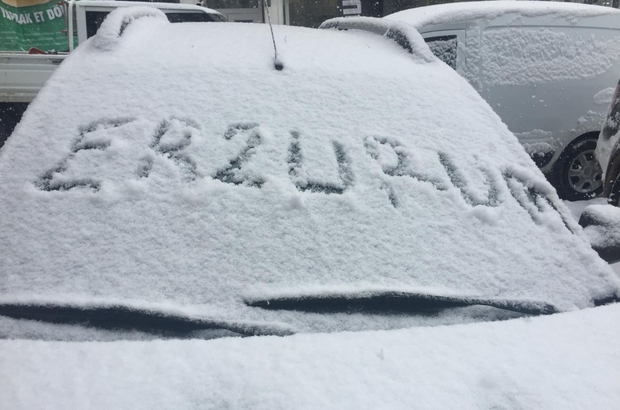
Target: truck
pixel 38 43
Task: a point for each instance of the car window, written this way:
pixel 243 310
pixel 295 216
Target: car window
pixel 95 18
pixel 231 4
pixel 444 48
pixel 189 17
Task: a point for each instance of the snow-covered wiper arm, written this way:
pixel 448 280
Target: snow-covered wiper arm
pixel 127 318
pixel 396 302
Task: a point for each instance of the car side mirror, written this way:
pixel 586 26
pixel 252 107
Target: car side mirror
pixel 601 224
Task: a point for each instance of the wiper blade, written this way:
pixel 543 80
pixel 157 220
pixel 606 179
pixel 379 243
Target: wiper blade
pixel 396 302
pixel 125 318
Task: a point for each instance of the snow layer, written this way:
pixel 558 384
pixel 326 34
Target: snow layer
pixel 606 233
pixel 539 55
pixel 577 207
pixel 454 12
pixel 536 141
pixel 172 165
pixel 566 361
pixel 604 97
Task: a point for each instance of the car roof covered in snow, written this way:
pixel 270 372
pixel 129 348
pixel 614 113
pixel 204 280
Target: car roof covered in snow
pixel 172 167
pixel 557 12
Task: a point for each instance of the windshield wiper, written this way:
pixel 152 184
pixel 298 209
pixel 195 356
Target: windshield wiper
pixel 125 318
pixel 395 302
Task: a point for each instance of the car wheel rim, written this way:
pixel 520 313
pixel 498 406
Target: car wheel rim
pixel 585 174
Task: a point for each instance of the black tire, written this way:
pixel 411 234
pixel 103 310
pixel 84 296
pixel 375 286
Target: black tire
pixel 578 174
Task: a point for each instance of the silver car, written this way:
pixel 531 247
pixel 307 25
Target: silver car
pixel 547 69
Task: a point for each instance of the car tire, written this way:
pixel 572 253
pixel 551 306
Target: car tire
pixel 579 176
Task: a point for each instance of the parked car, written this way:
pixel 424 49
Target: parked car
pixel 608 152
pixel 546 68
pixel 23 72
pixel 181 181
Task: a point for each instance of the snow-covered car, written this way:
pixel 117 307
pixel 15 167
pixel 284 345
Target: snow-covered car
pixel 181 182
pixel 546 68
pixel 602 222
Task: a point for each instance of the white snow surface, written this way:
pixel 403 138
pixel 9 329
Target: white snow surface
pixel 604 96
pixel 565 361
pixel 173 166
pixel 540 55
pixel 606 233
pixel 536 141
pixel 577 207
pixel 453 12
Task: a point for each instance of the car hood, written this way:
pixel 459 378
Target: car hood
pixel 566 361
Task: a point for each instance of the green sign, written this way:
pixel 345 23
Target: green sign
pixel 37 26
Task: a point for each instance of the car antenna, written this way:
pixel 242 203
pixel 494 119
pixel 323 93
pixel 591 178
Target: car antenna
pixel 277 63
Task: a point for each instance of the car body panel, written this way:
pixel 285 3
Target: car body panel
pixel 566 361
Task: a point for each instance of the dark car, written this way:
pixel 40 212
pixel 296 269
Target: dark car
pixel 608 150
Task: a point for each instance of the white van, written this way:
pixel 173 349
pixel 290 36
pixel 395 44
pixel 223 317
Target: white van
pixel 548 70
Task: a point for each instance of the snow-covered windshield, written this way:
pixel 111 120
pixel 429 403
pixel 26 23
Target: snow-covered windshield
pixel 171 168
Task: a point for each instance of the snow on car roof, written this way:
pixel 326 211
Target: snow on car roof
pixel 172 166
pixel 464 11
pixel 566 361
